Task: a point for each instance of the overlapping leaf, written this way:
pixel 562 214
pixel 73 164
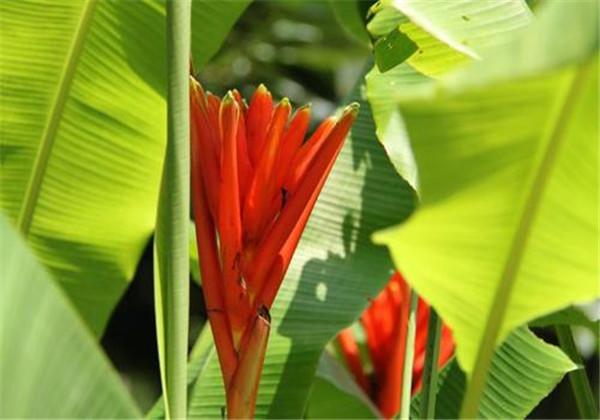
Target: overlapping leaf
pixel 390 128
pixel 507 157
pixel 95 206
pixel 524 370
pixel 450 34
pixel 51 365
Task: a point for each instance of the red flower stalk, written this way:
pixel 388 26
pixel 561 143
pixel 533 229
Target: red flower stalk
pixel 254 184
pixel 385 323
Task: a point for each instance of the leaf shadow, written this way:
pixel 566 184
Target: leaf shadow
pixel 332 291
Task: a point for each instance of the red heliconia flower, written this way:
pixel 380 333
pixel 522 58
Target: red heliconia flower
pixel 254 183
pixel 385 323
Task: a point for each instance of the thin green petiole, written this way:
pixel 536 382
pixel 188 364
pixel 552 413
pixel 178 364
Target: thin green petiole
pixel 171 282
pixel 430 371
pixel 582 391
pixel 409 357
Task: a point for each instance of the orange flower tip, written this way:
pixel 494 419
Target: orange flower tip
pixel 285 102
pixel 210 95
pixel 196 86
pixel 352 109
pixel 333 118
pixel 262 89
pixel 228 98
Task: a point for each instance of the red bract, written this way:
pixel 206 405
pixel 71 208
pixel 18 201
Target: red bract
pixel 254 184
pixel 385 323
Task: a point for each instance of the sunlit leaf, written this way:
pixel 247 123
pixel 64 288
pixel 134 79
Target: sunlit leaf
pixel 450 34
pixel 51 365
pixel 91 208
pixel 524 370
pixel 388 121
pixel 484 24
pixel 507 158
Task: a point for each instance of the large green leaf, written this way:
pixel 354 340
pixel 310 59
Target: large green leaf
pixel 335 270
pixel 51 365
pixel 507 158
pixel 524 370
pixel 96 121
pixel 450 34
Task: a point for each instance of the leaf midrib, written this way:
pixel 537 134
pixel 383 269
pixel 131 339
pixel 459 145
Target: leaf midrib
pixel 519 244
pixel 52 124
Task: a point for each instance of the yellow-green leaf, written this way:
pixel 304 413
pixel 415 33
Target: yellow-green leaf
pixel 507 154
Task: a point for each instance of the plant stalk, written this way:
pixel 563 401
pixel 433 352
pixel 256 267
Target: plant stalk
pixel 409 353
pixel 430 371
pixel 172 227
pixel 582 391
pixel 243 388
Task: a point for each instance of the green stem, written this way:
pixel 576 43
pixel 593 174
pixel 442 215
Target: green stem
pixel 172 227
pixel 586 404
pixel 495 319
pixel 54 117
pixel 409 352
pixel 430 371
